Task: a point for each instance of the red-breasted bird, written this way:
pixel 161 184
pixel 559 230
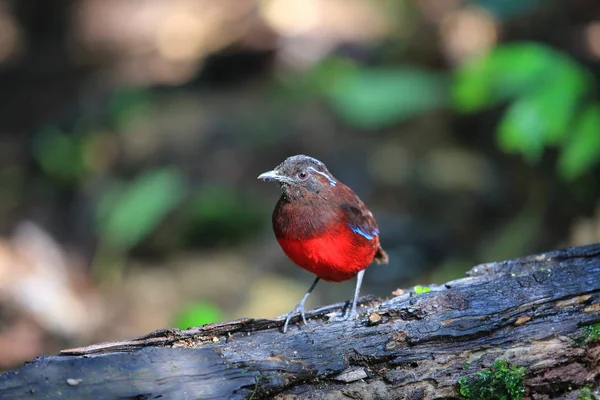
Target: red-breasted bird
pixel 323 226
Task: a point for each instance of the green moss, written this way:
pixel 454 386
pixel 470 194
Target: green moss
pixel 502 382
pixel 422 289
pixel 587 394
pixel 591 332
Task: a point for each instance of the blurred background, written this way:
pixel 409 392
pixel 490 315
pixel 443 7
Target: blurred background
pixel 132 133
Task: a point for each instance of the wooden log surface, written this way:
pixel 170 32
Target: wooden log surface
pixel 529 311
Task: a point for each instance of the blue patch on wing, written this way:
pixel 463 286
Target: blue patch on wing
pixel 368 235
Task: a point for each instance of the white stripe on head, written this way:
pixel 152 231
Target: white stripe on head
pixel 332 182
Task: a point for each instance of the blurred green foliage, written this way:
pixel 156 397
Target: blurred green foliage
pixel 550 103
pixel 219 214
pixel 197 314
pixel 125 106
pixel 128 213
pixel 59 155
pixel 374 97
pixel 67 157
pixel 583 150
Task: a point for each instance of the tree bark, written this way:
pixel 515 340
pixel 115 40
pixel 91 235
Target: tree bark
pixel 530 311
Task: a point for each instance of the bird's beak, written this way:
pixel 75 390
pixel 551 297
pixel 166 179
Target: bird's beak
pixel 270 176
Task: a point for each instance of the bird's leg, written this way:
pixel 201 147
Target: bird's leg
pixel 300 307
pixel 352 314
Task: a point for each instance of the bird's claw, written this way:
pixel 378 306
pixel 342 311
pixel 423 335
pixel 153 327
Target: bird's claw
pixel 299 309
pixel 350 315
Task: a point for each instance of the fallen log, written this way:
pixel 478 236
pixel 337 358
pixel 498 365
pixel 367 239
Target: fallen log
pixel 538 312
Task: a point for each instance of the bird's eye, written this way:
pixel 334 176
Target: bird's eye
pixel 303 175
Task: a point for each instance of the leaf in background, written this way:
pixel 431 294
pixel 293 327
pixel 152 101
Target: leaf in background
pixel 543 117
pixel 200 313
pixel 505 72
pixel 560 98
pixel 582 150
pixel 323 77
pixel 125 105
pixel 126 219
pixel 223 214
pixel 58 154
pixel 547 88
pixel 521 129
pixel 370 98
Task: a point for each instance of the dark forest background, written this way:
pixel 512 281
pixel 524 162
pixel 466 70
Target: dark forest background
pixel 132 133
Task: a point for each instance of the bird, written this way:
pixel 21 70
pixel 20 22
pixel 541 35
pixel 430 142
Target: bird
pixel 323 227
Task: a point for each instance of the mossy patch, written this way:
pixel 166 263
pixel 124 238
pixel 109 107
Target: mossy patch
pixel 591 332
pixel 422 289
pixel 587 394
pixel 502 382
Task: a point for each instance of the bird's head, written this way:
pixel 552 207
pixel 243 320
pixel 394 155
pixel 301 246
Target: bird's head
pixel 300 174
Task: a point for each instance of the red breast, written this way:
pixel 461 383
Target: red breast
pixel 337 255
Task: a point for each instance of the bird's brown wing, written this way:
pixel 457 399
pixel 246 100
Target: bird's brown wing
pixel 362 222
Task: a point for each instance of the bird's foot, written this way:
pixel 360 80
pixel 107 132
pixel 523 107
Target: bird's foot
pixel 299 309
pixel 350 315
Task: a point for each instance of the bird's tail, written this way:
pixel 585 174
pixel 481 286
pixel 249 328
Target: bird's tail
pixel 381 256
